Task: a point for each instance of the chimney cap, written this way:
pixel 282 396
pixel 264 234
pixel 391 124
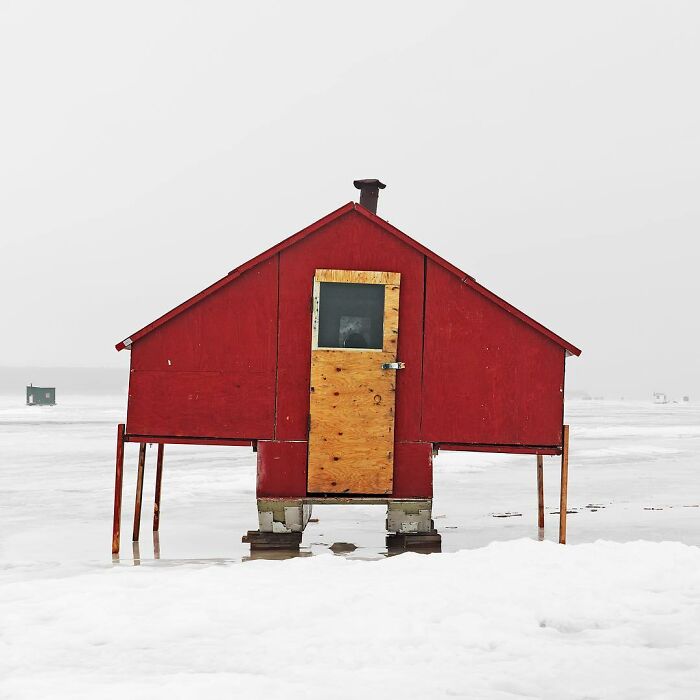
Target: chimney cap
pixel 368 182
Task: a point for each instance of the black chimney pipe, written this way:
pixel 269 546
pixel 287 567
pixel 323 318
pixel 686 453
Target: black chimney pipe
pixel 369 193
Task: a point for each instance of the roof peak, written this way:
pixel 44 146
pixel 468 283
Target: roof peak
pixel 358 209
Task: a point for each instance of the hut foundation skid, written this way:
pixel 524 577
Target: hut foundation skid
pixel 409 522
pixel 282 521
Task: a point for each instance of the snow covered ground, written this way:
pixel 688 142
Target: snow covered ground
pixel 517 618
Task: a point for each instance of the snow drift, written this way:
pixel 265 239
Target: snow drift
pixel 514 619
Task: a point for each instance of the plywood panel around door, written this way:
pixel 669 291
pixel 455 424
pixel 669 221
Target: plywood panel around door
pixel 352 404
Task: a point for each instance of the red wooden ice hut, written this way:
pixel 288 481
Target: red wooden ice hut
pixel 346 356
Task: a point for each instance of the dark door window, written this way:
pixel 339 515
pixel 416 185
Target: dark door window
pixel 351 315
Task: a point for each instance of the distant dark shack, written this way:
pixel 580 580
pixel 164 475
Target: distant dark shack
pixel 41 395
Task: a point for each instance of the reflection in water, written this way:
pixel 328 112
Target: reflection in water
pixel 423 543
pixel 429 543
pixel 276 554
pixel 423 548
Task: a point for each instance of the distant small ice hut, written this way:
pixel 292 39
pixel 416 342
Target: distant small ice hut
pixel 660 397
pixel 41 395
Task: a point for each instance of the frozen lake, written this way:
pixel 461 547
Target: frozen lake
pixel 634 474
pixel 522 618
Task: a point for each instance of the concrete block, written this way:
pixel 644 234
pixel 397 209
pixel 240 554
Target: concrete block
pixel 409 517
pixel 282 515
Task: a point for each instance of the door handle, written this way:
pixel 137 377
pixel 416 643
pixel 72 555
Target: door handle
pixel 393 365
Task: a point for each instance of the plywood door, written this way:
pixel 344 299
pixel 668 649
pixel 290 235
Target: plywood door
pixel 352 398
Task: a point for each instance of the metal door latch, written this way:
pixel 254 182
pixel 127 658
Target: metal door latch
pixel 393 365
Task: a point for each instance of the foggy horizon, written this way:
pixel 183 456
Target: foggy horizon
pixel 526 144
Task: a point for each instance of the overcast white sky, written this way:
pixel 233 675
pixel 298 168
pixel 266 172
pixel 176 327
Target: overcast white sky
pixel 550 149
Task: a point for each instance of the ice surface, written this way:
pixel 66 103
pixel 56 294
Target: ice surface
pixel 511 619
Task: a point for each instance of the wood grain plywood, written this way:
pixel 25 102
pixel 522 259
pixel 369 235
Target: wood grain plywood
pixel 351 438
pixel 358 276
pixel 352 406
pixel 391 319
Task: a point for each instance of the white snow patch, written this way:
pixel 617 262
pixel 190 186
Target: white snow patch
pixel 522 618
pixel 514 619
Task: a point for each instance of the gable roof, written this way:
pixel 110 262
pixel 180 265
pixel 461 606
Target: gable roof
pixel 300 235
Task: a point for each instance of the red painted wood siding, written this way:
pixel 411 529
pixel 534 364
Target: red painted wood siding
pixel 281 469
pixel 413 470
pixel 487 377
pixel 352 242
pixel 236 364
pixel 211 370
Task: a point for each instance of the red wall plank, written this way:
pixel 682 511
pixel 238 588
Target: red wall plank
pixel 488 377
pixel 413 470
pixel 210 371
pixel 352 242
pixel 281 469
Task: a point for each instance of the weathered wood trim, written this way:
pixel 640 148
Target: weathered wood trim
pixel 357 276
pixel 391 318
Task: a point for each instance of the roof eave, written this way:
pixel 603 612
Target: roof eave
pixel 536 325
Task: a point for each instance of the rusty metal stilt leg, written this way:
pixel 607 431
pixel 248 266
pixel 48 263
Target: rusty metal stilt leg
pixel 118 478
pixel 139 492
pixel 540 492
pixel 564 485
pixel 159 479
